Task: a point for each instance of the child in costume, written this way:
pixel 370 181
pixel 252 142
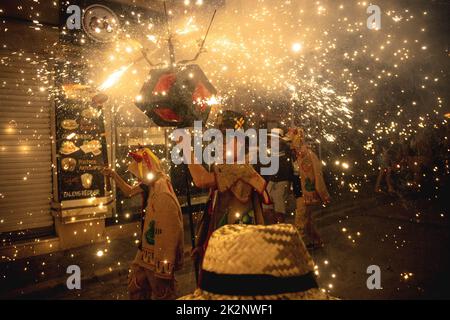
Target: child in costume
pixel 237 191
pixel 314 190
pixel 161 251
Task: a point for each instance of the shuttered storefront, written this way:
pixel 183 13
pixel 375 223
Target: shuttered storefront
pixel 25 145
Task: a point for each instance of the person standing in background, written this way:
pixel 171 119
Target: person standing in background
pixel 313 187
pixel 279 184
pixel 386 166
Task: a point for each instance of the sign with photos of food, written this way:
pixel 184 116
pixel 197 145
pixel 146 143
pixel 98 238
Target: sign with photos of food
pixel 81 147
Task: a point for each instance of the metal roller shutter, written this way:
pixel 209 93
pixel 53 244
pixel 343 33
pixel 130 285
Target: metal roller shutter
pixel 25 144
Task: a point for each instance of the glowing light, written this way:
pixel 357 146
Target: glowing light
pixel 114 78
pixel 297 47
pixel 150 176
pixel 71 136
pixel 212 101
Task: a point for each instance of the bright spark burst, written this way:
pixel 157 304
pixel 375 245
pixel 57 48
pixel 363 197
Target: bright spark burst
pixel 114 78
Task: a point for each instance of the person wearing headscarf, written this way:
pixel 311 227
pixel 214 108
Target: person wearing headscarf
pixel 161 249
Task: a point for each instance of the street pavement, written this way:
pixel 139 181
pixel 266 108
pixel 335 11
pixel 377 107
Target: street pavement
pixel 407 240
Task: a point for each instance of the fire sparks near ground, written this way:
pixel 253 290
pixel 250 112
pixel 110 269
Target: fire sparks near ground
pixel 362 95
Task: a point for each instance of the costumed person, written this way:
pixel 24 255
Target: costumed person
pixel 237 191
pixel 161 247
pixel 245 262
pixel 279 184
pixel 313 187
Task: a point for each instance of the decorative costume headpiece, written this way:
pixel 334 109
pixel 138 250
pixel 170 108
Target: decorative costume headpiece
pixel 144 156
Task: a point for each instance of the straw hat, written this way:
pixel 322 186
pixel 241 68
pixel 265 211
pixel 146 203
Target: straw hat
pixel 253 262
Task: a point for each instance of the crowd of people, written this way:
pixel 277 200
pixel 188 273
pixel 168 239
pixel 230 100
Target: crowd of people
pixel 239 197
pixel 409 163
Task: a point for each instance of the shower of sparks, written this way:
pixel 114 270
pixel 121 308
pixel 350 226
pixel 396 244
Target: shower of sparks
pixel 114 78
pixel 312 64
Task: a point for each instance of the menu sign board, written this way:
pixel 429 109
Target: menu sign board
pixel 81 148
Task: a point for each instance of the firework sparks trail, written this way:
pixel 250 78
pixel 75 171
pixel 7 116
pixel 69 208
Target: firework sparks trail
pixel 114 78
pixel 313 62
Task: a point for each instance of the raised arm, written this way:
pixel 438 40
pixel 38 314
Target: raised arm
pixel 128 190
pixel 202 178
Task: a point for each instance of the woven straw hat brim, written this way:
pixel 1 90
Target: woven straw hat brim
pixel 238 255
pixel 312 294
pixel 275 250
